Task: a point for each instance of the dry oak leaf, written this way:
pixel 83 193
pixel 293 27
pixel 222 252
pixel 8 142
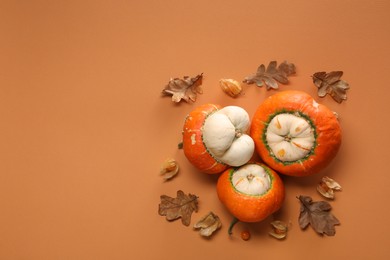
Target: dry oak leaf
pixel 330 83
pixel 208 224
pixel 186 88
pixel 271 75
pixel 180 207
pixel 318 215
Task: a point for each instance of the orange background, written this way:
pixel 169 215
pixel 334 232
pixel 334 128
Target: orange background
pixel 84 128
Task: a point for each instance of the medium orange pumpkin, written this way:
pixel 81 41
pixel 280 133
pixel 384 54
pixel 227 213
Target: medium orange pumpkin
pixel 251 192
pixel 294 134
pixel 215 138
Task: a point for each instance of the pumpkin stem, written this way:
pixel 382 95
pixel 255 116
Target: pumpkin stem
pixel 238 133
pixel 250 177
pixel 180 145
pixel 287 138
pixel 234 222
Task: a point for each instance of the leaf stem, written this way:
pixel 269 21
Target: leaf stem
pixel 232 224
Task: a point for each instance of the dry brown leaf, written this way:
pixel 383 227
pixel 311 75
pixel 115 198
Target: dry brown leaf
pixel 271 75
pixel 318 215
pixel 331 83
pixel 208 224
pixel 180 207
pixel 186 88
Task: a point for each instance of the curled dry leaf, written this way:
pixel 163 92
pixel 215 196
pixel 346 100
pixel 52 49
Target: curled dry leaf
pixel 331 183
pixel 327 186
pixel 318 215
pixel 279 230
pixel 186 88
pixel 231 87
pixel 208 224
pixel 180 207
pixel 271 75
pixel 169 169
pixel 331 83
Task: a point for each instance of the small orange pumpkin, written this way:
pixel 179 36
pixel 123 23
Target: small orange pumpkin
pixel 215 138
pixel 251 192
pixel 294 134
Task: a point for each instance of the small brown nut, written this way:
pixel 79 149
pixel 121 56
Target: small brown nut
pixel 169 169
pixel 231 87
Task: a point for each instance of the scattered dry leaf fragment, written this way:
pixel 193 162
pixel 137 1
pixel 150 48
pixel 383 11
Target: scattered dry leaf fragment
pixel 169 169
pixel 271 75
pixel 331 83
pixel 327 186
pixel 279 229
pixel 208 224
pixel 245 235
pixel 231 87
pixel 186 88
pixel 336 115
pixel 180 207
pixel 318 215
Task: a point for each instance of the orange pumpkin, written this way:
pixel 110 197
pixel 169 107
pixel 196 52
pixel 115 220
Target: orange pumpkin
pixel 294 134
pixel 215 138
pixel 251 192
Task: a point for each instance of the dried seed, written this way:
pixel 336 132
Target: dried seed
pixel 279 229
pixel 325 191
pixel 327 186
pixel 331 183
pixel 208 224
pixel 231 87
pixel 169 169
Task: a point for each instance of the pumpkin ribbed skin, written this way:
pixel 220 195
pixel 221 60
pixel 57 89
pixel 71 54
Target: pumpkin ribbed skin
pixel 193 145
pixel 325 125
pixel 250 208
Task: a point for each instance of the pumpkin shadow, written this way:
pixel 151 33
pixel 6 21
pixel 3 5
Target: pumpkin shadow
pixel 259 230
pixel 206 179
pixel 312 180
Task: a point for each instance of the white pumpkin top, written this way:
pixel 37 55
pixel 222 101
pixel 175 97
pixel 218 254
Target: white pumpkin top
pixel 224 135
pixel 251 179
pixel 290 137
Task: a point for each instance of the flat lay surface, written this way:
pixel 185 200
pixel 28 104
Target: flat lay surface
pixel 84 127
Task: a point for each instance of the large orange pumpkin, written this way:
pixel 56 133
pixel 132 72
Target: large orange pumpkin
pixel 215 138
pixel 294 134
pixel 251 192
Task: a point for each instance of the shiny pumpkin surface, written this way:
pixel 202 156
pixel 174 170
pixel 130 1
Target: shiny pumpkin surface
pixel 325 130
pixel 247 207
pixel 193 145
